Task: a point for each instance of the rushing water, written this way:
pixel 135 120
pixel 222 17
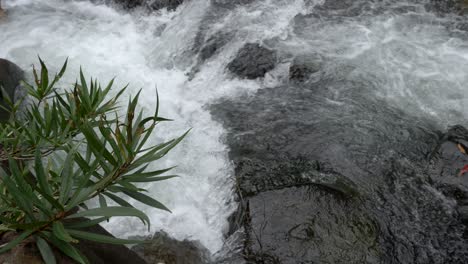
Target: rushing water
pixel 409 57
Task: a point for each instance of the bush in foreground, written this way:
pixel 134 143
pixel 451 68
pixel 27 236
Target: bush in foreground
pixel 104 156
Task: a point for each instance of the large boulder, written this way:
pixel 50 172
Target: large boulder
pixel 327 177
pixel 447 161
pixel 253 61
pixel 10 78
pixel 161 248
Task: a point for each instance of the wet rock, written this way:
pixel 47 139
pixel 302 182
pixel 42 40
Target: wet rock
pixel 304 151
pixel 448 159
pixel 255 177
pixel 230 3
pixel 25 252
pixel 298 225
pixel 2 12
pixel 253 61
pixel 160 4
pixel 342 8
pixel 445 6
pixel 10 77
pixel 213 45
pixel 150 4
pixel 164 249
pixel 463 212
pixel 302 67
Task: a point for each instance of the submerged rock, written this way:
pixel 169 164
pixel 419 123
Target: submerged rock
pixel 230 3
pixel 150 4
pixel 163 249
pixel 302 67
pixel 213 45
pixel 447 6
pixel 253 61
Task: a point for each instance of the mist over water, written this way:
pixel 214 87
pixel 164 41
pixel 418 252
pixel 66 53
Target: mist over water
pixel 411 58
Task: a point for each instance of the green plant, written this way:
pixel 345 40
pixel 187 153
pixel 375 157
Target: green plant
pixel 105 157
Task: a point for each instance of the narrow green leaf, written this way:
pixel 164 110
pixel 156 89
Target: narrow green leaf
pixel 117 199
pixel 66 176
pixel 148 179
pixel 44 83
pixel 45 250
pixel 86 223
pixel 66 248
pixel 102 238
pixel 145 199
pixel 41 173
pixel 102 201
pixel 59 231
pixel 113 211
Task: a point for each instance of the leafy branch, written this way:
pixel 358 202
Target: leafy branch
pixel 104 158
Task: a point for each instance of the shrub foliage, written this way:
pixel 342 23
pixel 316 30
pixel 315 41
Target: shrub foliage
pixel 104 156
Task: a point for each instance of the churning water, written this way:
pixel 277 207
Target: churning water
pixel 412 58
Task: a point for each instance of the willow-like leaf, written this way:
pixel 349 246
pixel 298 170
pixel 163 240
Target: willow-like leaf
pixel 66 176
pixel 113 211
pixel 45 250
pixel 148 179
pixel 102 238
pixel 59 231
pixel 118 200
pixel 66 248
pixel 41 174
pixel 143 198
pixel 86 223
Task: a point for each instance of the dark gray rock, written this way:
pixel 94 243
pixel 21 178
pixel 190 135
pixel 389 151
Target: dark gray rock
pixel 253 61
pixel 463 212
pixel 303 66
pixel 98 253
pixel 230 3
pixel 446 6
pixel 213 45
pixel 10 77
pixel 150 4
pixel 256 177
pixel 163 249
pixel 305 218
pixel 302 152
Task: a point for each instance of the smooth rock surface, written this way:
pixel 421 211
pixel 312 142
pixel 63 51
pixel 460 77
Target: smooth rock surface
pixel 252 61
pixel 164 249
pixel 150 4
pixel 10 77
pixel 303 66
pixel 281 137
